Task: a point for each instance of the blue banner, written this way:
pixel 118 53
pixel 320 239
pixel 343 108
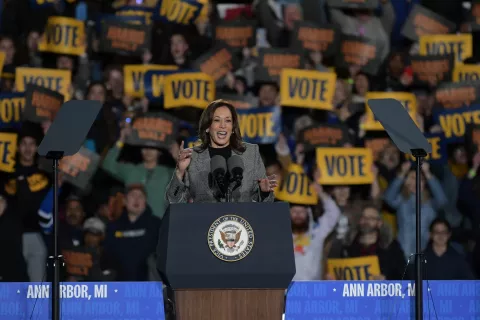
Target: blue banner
pixel 153 84
pixel 140 13
pixel 454 122
pixel 260 125
pixel 309 300
pixel 11 109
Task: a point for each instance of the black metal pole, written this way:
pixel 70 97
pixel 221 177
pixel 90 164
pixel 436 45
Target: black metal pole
pixel 56 257
pixel 418 253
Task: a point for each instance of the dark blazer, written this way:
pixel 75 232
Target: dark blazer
pixel 198 182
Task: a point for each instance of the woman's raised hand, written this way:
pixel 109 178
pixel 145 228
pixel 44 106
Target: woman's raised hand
pixel 183 160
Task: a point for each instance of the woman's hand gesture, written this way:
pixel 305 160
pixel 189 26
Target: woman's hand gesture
pixel 183 160
pixel 268 184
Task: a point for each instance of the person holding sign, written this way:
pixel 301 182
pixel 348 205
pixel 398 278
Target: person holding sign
pixel 219 133
pixel 370 238
pixel 309 235
pixel 400 195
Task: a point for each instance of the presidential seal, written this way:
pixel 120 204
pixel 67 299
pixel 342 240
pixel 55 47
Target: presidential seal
pixel 230 238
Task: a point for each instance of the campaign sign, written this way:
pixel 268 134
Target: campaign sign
pixel 296 187
pixel 63 36
pixel 311 37
pixel 137 14
pixel 361 268
pixel 431 70
pixel 260 125
pixel 237 34
pixel 80 167
pixel 153 81
pixel 466 73
pixel 439 149
pixel 53 79
pixel 188 89
pixel 156 130
pixel 41 104
pixel 324 135
pixel 460 45
pixel 359 51
pixel 455 122
pixel 133 77
pixel 273 60
pixel 453 95
pixel 307 88
pixel 422 21
pixel 345 166
pixel 11 109
pixel 217 62
pixel 182 12
pixel 124 38
pixel 8 151
pixel 305 300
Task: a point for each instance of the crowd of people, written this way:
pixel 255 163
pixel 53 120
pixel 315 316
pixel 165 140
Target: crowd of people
pixel 109 229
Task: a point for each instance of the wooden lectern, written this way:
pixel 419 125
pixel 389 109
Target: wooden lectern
pixel 200 258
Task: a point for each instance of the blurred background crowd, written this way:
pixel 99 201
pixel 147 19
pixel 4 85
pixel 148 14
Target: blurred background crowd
pixel 111 212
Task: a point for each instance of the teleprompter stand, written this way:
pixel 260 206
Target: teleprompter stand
pixel 64 138
pixel 409 139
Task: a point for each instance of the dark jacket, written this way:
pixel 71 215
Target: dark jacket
pixel 130 244
pixel 387 249
pixel 452 265
pixel 13 267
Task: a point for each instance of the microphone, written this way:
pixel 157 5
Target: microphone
pixel 218 168
pixel 235 168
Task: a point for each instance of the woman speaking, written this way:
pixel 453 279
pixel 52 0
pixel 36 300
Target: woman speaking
pixel 221 142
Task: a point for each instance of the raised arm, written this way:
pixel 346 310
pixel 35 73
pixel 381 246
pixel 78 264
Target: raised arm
pixel 110 163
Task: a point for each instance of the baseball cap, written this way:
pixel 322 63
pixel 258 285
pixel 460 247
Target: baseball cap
pixel 94 225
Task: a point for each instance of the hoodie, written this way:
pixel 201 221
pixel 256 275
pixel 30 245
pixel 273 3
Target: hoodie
pixel 308 246
pixel 131 243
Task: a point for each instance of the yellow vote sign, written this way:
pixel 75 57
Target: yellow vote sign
pixel 11 108
pixel 8 150
pixel 296 187
pixel 408 100
pixel 2 61
pixel 307 89
pixel 63 36
pixel 466 72
pixel 460 45
pixel 133 78
pixel 56 80
pixel 345 166
pixel 362 268
pixel 436 153
pixel 189 89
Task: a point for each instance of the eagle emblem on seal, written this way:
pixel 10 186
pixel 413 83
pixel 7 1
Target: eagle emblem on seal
pixel 229 238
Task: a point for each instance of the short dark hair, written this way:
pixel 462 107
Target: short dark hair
pixel 206 119
pixel 440 221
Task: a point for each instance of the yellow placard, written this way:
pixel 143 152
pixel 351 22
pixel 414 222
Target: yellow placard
pixel 307 89
pixel 190 89
pixel 179 11
pixel 63 36
pixel 11 108
pixel 56 80
pixel 362 268
pixel 133 78
pixel 8 150
pixel 391 220
pixel 296 187
pixel 460 45
pixel 408 100
pixel 466 72
pixel 345 166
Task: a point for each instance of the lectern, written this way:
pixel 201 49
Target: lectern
pixel 227 260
